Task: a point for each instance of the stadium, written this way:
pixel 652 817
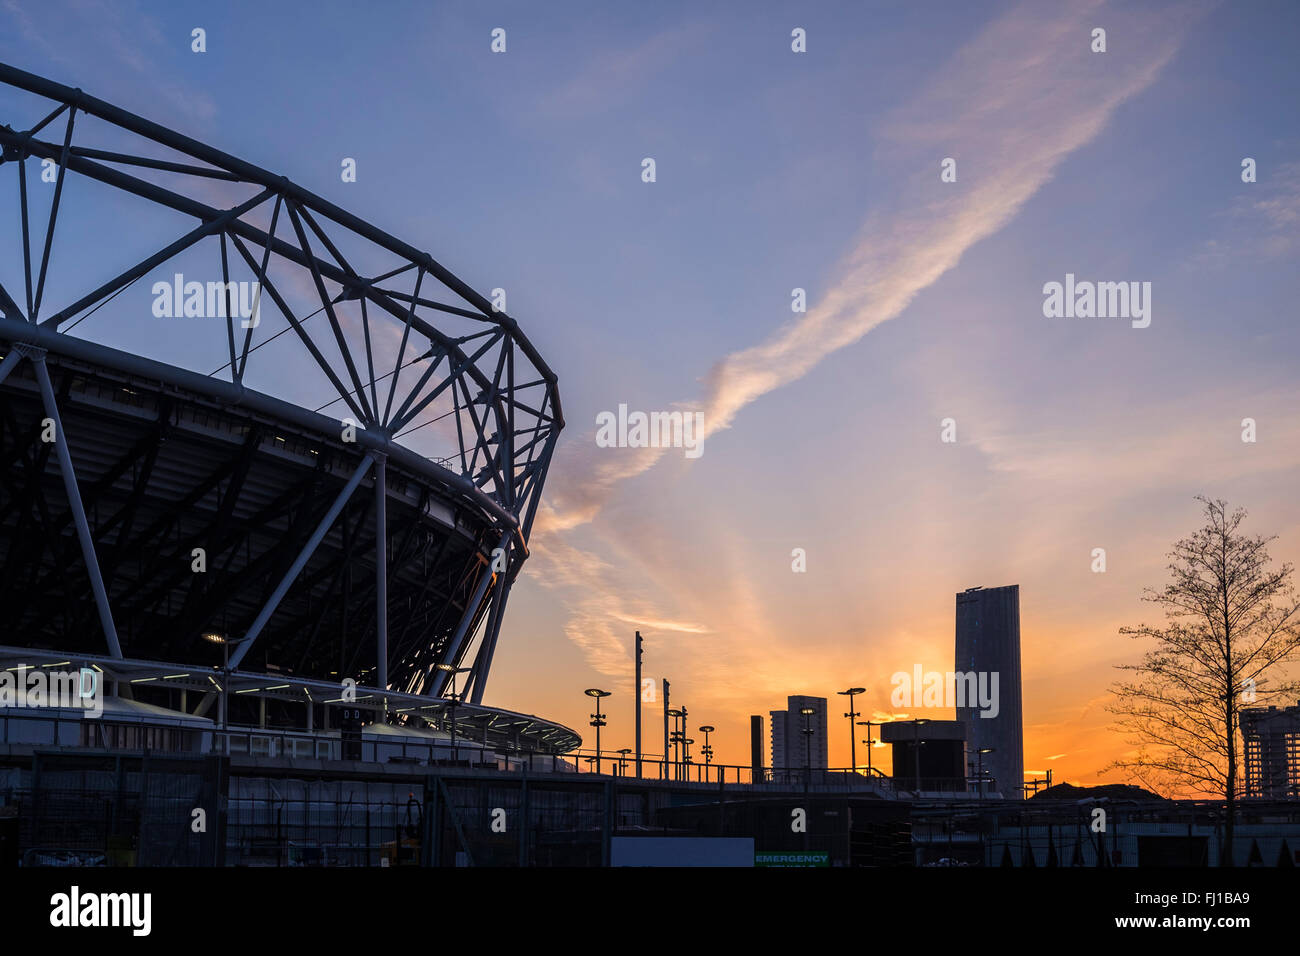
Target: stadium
pixel 311 537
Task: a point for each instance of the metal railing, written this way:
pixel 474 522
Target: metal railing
pixel 654 767
pixel 369 747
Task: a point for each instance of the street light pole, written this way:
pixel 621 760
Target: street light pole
pixel 667 687
pixel 681 753
pixel 684 771
pixel 851 693
pixel 453 670
pixel 455 744
pixel 868 724
pixel 707 751
pixel 807 746
pixel 216 637
pixel 979 755
pixel 597 720
pixel 637 702
pixel 916 749
pixel 675 738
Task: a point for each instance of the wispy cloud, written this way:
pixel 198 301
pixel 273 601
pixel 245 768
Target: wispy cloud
pixel 683 627
pixel 613 74
pixel 1263 224
pixel 1010 107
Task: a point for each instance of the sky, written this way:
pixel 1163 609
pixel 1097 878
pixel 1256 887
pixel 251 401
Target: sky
pixel 819 170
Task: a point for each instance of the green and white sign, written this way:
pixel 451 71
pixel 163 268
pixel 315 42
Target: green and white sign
pixel 792 858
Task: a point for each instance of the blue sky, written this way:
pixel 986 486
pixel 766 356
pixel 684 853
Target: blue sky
pixel 817 170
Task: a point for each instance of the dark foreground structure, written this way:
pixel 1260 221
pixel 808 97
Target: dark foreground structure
pixel 139 809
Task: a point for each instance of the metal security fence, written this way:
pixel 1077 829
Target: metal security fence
pixel 117 811
pixel 148 809
pixel 523 822
pixel 278 822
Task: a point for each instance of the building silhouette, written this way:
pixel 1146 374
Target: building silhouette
pixel 790 745
pixel 988 641
pixel 1272 739
pixel 927 756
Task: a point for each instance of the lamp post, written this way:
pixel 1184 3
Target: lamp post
pixel 216 637
pixel 663 775
pixel 676 740
pixel 453 670
pixel 868 724
pixel 686 746
pixel 807 745
pixel 853 737
pixel 597 720
pixel 637 702
pixel 707 750
pixel 680 752
pixel 622 760
pixel 979 755
pixel 916 749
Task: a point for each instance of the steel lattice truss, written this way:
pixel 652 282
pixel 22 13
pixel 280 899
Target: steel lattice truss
pixel 400 345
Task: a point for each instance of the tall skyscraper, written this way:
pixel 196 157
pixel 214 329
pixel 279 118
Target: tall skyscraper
pixel 1272 751
pixel 790 745
pixel 988 641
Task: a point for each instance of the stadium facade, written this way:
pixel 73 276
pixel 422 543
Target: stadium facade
pixel 214 544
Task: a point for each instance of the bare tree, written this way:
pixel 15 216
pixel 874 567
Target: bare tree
pixel 1230 618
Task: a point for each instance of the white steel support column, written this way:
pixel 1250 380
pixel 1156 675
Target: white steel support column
pixel 78 509
pixel 301 561
pixel 381 567
pixel 10 360
pixel 453 647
